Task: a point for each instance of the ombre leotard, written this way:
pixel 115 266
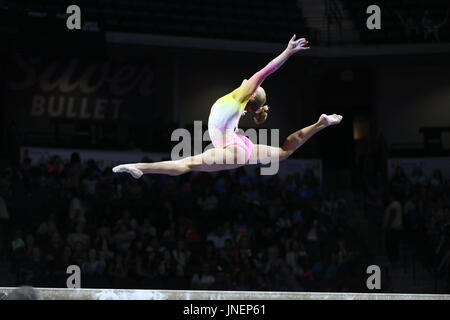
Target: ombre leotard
pixel 223 124
pixel 227 111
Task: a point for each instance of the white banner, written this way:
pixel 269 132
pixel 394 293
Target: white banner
pixel 103 158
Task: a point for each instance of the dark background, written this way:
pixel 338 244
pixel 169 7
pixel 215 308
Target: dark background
pixel 166 62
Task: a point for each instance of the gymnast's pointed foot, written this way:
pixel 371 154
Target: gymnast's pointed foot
pixel 330 120
pixel 129 168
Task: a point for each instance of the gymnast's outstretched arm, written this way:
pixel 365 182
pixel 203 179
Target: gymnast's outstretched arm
pixel 248 87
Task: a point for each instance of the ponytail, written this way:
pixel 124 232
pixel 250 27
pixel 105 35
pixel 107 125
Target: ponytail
pixel 261 114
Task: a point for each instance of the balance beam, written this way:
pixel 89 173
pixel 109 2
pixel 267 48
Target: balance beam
pixel 127 294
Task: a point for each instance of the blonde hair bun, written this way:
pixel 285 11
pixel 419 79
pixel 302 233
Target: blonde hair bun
pixel 260 117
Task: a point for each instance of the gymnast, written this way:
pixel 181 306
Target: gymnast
pixel 232 150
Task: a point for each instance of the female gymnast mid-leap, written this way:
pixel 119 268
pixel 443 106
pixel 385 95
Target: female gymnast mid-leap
pixel 230 149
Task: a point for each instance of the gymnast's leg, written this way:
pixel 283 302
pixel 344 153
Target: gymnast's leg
pixel 265 154
pixel 211 160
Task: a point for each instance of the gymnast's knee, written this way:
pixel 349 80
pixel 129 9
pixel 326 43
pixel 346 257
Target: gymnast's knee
pixel 181 167
pixel 284 154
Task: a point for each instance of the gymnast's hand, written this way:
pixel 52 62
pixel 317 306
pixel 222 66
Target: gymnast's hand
pixel 330 120
pixel 297 45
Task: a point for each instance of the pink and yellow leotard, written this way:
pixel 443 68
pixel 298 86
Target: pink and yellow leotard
pixel 226 113
pixel 223 124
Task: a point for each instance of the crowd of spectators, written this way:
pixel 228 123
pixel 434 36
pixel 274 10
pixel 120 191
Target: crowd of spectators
pixel 416 214
pixel 427 30
pixel 404 21
pixel 229 231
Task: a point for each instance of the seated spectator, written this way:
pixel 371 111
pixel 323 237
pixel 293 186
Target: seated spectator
pixel 79 237
pixel 124 237
pixel 89 184
pixel 331 268
pixel 244 248
pixel 221 186
pixel 79 254
pixel 76 209
pixel 93 266
pixel 147 230
pixel 242 282
pixel 63 261
pixel 330 204
pixel 297 217
pixel 34 268
pixel 117 268
pixel 191 233
pixel 169 235
pixel 317 269
pixel 342 254
pixel 210 254
pixel 208 202
pixel 54 164
pixel 181 254
pixel 167 262
pixel 179 281
pixel 436 182
pixel 240 227
pixel 283 222
pixel 203 280
pixel 146 266
pixel 4 221
pixel 313 236
pixel 295 252
pixel 52 251
pixel 417 177
pixel 74 171
pixel 274 269
pixel 393 225
pixel 229 254
pixel 222 280
pixel 46 230
pixel 128 220
pixel 103 242
pixel 18 247
pixel 399 181
pixel 308 274
pixel 218 237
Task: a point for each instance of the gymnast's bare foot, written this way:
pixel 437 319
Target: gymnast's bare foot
pixel 129 168
pixel 330 120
